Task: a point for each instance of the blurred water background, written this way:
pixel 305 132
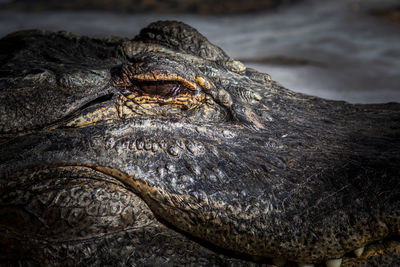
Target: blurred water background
pixel 343 49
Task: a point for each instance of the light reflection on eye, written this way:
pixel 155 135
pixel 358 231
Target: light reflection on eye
pixel 160 89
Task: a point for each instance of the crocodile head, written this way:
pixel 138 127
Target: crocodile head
pixel 164 150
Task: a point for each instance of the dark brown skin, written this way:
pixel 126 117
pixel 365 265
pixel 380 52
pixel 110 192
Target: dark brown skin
pixel 106 142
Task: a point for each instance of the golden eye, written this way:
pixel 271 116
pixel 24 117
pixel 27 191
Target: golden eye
pixel 161 89
pixel 164 93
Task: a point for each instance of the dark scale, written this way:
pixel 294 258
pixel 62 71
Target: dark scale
pixel 91 202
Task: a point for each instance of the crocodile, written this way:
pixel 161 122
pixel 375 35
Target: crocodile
pixel 162 150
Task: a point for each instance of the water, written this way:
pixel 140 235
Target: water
pixel 347 53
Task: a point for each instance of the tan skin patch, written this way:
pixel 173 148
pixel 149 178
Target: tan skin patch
pixel 254 118
pixel 266 107
pixel 99 114
pixel 203 83
pixel 186 100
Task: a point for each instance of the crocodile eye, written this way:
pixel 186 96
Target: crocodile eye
pixel 163 93
pixel 157 87
pixel 161 89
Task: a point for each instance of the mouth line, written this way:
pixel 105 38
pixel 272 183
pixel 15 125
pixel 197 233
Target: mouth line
pixel 388 247
pixel 362 253
pixel 378 248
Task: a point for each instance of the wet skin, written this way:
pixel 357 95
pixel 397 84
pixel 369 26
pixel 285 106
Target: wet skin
pixel 163 150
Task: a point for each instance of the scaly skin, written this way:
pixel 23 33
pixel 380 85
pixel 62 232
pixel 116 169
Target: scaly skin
pixel 163 150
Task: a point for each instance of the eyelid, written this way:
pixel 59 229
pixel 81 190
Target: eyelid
pixel 164 77
pixel 162 89
pixel 130 73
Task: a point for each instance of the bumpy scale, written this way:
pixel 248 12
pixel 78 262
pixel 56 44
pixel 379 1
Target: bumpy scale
pixel 163 150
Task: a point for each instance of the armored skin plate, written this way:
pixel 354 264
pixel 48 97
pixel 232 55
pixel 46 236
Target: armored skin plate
pixel 163 151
